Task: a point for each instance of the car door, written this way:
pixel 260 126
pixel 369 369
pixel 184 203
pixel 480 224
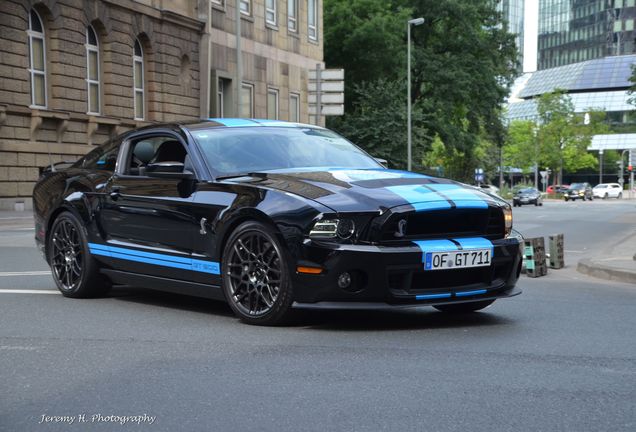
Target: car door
pixel 615 190
pixel 147 221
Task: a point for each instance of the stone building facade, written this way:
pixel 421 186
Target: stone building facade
pixel 75 73
pixel 281 40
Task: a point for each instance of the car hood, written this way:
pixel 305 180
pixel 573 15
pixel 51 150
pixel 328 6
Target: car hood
pixel 363 190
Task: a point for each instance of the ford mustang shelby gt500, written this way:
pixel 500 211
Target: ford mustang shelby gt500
pixel 270 216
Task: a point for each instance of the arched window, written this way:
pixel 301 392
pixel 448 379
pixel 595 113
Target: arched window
pixel 138 80
pixel 92 71
pixel 37 60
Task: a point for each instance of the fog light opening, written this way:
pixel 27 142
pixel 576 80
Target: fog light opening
pixel 344 280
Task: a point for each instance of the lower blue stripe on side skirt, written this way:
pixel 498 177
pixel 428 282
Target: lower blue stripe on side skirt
pixel 155 258
pixel 470 293
pixel 432 296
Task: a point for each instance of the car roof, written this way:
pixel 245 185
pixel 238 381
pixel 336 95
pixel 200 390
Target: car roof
pixel 244 122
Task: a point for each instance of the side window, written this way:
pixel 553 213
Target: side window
pixel 151 150
pixel 102 158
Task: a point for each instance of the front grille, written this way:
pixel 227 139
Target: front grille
pixel 488 223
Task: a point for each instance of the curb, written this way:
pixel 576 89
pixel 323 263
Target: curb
pixel 593 268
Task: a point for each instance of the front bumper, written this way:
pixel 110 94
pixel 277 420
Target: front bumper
pixel 394 276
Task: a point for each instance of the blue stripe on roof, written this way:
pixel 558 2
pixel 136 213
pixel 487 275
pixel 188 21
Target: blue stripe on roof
pixel 235 122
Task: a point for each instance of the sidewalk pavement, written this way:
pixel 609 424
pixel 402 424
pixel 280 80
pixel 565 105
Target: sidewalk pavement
pixel 617 263
pixel 10 220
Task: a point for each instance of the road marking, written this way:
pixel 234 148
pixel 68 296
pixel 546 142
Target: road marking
pixel 25 273
pixel 27 291
pixel 16 217
pixel 18 229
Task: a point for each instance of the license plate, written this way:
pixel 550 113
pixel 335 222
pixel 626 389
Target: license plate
pixel 458 259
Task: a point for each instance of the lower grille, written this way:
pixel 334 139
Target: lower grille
pixel 420 281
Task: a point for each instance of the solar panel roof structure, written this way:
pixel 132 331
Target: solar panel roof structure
pixel 592 75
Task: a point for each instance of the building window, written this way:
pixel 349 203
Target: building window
pixel 312 19
pixel 92 71
pixel 270 12
pixel 246 7
pixel 138 79
pixel 272 104
pixel 292 15
pixel 223 97
pixel 219 3
pixel 294 107
pixel 37 60
pixel 247 101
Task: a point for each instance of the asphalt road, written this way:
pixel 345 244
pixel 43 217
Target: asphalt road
pixel 560 357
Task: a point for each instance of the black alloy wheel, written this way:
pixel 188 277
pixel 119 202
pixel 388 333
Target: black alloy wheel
pixel 256 279
pixel 75 272
pixel 461 308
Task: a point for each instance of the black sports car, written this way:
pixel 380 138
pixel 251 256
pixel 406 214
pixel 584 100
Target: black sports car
pixel 527 196
pixel 270 216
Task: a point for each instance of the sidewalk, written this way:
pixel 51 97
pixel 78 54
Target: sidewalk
pixel 10 220
pixel 617 263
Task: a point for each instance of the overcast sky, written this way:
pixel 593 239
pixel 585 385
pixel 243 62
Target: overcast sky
pixel 530 30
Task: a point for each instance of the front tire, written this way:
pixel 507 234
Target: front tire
pixel 256 275
pixel 462 308
pixel 620 195
pixel 75 271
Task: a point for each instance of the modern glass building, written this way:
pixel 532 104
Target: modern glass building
pixel 572 31
pixel 512 13
pixel 593 85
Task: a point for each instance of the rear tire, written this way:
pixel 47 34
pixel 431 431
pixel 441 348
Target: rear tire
pixel 620 195
pixel 462 308
pixel 75 271
pixel 256 275
pixel 605 196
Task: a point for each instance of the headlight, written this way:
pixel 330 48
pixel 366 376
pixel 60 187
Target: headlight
pixel 332 228
pixel 507 211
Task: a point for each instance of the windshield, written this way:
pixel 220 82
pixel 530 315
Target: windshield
pixel 254 149
pixel 577 186
pixel 527 191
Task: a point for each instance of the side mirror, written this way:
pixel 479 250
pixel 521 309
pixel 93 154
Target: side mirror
pixel 170 170
pixel 383 162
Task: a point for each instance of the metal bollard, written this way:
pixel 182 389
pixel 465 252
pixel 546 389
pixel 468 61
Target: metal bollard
pixel 534 257
pixel 556 251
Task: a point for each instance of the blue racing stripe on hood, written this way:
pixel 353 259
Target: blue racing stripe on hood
pixel 420 197
pixel 462 197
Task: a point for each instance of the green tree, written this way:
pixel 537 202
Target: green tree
pixel 521 147
pixel 463 65
pixel 564 136
pixel 377 122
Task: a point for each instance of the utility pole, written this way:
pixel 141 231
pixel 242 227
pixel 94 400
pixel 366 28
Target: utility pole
pixel 416 21
pixel 239 58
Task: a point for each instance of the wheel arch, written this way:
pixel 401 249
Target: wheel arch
pixel 76 207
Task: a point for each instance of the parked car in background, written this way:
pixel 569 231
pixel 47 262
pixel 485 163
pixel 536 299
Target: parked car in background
pixel 489 189
pixel 578 191
pixel 552 189
pixel 527 196
pixel 607 190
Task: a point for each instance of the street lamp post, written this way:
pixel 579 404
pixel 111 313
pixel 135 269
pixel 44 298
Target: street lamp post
pixel 415 21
